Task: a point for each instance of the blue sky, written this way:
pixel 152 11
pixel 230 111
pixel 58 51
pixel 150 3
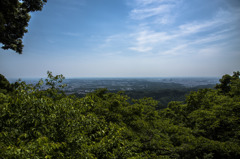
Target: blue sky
pixel 129 38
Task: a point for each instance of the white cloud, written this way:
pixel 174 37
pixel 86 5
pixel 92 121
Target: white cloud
pixel 159 9
pixel 181 38
pixel 141 48
pixel 221 18
pixel 184 35
pixel 151 2
pixel 166 19
pixel 145 40
pixel 146 2
pixel 196 45
pixel 149 12
pixel 147 37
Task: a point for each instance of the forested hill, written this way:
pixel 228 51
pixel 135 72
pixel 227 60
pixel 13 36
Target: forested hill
pixel 163 90
pixel 36 123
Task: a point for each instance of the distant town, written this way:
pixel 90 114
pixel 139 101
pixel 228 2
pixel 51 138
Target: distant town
pixel 87 85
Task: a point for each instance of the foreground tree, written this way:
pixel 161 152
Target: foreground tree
pixel 212 117
pixel 229 85
pixel 14 18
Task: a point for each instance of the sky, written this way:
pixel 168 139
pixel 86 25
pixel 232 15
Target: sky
pixel 129 38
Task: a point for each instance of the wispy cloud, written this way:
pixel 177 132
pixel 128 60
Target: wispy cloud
pixel 158 9
pixel 149 12
pixel 141 48
pixel 156 30
pixel 146 39
pixel 153 2
pixel 182 36
pixel 194 46
pixel 221 18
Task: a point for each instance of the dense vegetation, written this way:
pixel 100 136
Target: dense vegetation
pixel 165 95
pixel 36 123
pixel 163 92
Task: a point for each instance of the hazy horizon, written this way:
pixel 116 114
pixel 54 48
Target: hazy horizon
pixel 110 78
pixel 130 39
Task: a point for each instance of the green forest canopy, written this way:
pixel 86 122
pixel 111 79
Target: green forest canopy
pixel 39 123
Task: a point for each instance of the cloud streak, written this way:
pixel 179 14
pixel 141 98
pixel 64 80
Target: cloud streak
pixel 140 14
pixel 179 35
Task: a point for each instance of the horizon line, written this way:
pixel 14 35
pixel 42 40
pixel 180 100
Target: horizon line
pixel 113 77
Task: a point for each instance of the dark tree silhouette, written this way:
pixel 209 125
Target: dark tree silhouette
pixel 14 18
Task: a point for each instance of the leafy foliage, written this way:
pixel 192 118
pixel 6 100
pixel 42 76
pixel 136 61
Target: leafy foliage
pixel 5 86
pixel 14 18
pixel 38 123
pixel 229 84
